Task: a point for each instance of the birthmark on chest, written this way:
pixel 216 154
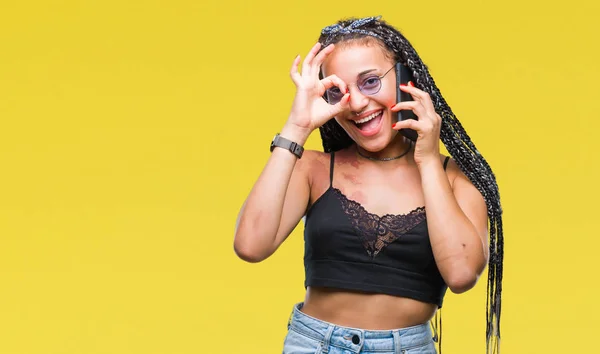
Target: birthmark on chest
pixel 352 178
pixel 359 197
pixel 355 164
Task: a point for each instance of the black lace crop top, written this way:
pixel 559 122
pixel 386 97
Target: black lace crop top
pixel 347 247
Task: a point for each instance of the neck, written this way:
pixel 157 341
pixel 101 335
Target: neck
pixel 399 149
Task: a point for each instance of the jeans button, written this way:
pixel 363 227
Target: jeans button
pixel 355 339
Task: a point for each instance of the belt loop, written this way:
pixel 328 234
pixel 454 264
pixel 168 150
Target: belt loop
pixel 397 345
pixel 327 338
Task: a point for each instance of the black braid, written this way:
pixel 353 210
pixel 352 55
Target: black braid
pixel 457 142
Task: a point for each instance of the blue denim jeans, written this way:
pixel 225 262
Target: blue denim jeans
pixel 308 335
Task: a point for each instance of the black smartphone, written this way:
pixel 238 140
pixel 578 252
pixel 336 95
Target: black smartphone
pixel 403 76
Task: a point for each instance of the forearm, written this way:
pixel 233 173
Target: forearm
pixel 457 247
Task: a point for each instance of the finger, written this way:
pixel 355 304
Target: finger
pixel 308 60
pixel 408 124
pixel 332 80
pixel 318 61
pixel 425 98
pixel 416 93
pixel 421 96
pixel 341 106
pixel 415 106
pixel 294 71
pixel 423 128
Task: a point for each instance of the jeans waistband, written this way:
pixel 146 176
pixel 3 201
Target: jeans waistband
pixel 356 339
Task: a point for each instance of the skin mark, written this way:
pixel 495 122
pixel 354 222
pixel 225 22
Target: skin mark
pixel 347 158
pixel 359 197
pixel 352 178
pixel 320 164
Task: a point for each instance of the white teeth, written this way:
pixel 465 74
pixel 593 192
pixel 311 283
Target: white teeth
pixel 368 118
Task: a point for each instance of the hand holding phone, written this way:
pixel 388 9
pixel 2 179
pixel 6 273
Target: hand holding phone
pixel 403 76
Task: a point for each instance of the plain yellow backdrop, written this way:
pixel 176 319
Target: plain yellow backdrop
pixel 132 131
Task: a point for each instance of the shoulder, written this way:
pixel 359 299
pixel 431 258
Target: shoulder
pixel 310 158
pixel 452 170
pixel 313 161
pixel 315 165
pixel 460 183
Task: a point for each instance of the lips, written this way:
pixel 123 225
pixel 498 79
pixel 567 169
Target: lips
pixel 367 118
pixel 368 113
pixel 369 123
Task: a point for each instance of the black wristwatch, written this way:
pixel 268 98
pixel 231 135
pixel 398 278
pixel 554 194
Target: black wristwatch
pixel 282 142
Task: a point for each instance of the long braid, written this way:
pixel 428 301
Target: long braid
pixel 457 142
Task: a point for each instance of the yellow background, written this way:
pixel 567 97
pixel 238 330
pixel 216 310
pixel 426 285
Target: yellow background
pixel 132 131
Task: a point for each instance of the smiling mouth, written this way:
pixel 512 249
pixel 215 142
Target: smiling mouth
pixel 369 122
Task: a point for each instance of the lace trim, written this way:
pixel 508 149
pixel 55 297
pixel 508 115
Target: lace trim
pixel 376 232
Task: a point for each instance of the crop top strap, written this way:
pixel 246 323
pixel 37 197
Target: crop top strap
pixel 331 169
pixel 446 162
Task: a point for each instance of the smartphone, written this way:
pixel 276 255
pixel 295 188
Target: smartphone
pixel 403 76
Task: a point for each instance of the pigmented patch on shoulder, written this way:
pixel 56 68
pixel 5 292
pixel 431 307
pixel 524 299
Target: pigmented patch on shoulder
pixel 313 162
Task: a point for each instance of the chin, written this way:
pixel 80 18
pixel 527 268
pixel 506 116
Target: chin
pixel 375 144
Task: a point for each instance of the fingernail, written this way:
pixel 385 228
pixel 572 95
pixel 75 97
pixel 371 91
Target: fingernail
pixel 411 84
pixel 394 125
pixel 402 84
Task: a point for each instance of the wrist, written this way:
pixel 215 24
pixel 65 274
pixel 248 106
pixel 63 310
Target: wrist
pixel 294 133
pixel 428 163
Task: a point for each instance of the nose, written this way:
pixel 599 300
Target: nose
pixel 358 101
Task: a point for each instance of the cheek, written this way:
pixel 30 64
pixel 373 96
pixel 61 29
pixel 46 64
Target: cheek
pixel 389 100
pixel 388 96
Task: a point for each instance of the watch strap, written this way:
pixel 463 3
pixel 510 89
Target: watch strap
pixel 294 148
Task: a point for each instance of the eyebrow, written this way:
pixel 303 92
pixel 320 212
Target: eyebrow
pixel 365 72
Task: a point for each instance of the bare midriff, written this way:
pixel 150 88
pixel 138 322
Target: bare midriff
pixel 364 310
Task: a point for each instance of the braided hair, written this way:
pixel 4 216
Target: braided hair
pixel 453 135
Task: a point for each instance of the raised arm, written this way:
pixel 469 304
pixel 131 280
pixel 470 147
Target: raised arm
pixel 456 212
pixel 275 204
pixel 281 194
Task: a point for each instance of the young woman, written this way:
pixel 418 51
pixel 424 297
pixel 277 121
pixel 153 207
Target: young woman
pixel 390 222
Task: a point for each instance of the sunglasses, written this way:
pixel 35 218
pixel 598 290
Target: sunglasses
pixel 369 86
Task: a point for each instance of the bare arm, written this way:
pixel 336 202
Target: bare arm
pixel 275 204
pixel 457 213
pixel 281 194
pixel 457 223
